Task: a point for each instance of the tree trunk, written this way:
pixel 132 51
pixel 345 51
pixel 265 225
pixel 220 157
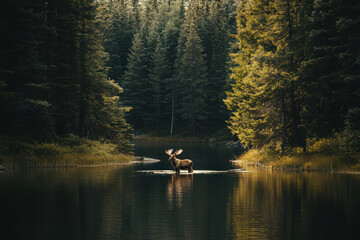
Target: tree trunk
pixel 283 122
pixel 295 118
pixel 82 120
pixel 172 110
pixel 82 113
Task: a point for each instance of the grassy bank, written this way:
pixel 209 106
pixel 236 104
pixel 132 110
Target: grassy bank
pixel 71 151
pixel 310 161
pixel 322 155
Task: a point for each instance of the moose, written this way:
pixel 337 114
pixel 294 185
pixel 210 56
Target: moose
pixel 179 164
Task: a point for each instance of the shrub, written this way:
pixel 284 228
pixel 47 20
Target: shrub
pixel 69 145
pixel 351 134
pixel 332 145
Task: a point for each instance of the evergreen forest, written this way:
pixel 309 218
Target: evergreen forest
pixel 277 73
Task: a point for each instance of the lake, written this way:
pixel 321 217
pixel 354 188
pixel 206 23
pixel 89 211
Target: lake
pixel 147 201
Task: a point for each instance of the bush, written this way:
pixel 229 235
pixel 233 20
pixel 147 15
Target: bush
pixel 65 152
pixel 332 145
pixel 69 145
pixel 351 134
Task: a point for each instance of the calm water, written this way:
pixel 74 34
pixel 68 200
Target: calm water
pixel 122 203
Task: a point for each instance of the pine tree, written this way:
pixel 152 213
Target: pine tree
pixel 331 69
pixel 192 81
pixel 217 66
pixel 157 25
pixel 118 28
pixel 54 78
pixel 264 74
pixel 23 69
pixel 136 84
pixel 171 37
pixel 159 79
pixel 101 114
pixel 172 30
pixel 63 76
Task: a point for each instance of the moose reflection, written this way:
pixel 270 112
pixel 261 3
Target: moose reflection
pixel 177 186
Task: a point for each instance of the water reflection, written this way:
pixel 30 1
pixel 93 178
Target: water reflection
pixel 88 203
pixel 177 186
pixel 120 203
pixel 272 205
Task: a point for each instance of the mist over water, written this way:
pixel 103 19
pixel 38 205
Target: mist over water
pixel 134 202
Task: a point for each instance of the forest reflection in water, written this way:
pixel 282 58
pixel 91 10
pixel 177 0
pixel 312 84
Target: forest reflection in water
pixel 294 205
pixel 121 203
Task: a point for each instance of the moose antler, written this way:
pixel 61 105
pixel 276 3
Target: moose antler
pixel 169 151
pixel 178 152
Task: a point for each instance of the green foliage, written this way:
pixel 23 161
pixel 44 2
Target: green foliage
pixel 287 87
pixel 351 133
pixel 219 30
pixel 54 78
pixel 136 83
pixel 70 151
pixel 155 64
pixel 160 84
pixel 343 143
pixel 24 105
pixel 118 25
pixel 332 145
pixel 68 145
pixel 352 119
pixel 330 71
pixel 78 67
pixel 192 80
pixel 261 74
pixel 299 161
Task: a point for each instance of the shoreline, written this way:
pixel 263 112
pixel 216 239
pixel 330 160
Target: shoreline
pixel 65 161
pixel 310 162
pixel 174 139
pixel 182 136
pixel 126 160
pixel 69 166
pixel 71 151
pixel 170 139
pixel 240 163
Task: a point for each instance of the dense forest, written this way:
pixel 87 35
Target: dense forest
pixel 78 67
pixel 296 73
pixel 287 70
pixel 53 74
pixel 171 59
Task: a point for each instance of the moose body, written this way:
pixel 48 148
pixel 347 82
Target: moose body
pixel 179 164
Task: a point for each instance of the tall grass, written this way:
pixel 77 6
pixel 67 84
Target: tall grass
pixel 323 155
pixel 71 151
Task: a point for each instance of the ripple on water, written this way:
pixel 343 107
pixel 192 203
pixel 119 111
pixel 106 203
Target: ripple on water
pixel 146 160
pixel 195 172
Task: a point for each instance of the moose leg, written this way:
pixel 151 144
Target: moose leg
pixel 190 170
